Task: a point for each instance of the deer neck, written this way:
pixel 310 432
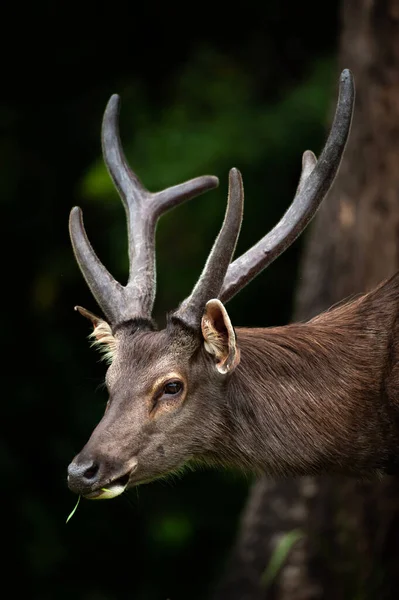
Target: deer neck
pixel 306 398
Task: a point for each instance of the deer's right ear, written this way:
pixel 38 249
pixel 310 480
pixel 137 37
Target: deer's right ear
pixel 101 335
pixel 219 336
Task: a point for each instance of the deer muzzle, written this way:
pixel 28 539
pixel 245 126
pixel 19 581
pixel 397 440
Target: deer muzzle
pixel 99 480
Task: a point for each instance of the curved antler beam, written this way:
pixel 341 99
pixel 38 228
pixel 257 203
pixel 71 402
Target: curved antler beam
pixel 316 179
pixel 105 289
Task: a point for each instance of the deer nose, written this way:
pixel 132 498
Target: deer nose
pixel 82 477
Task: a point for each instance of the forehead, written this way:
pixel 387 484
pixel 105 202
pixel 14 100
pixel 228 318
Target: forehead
pixel 144 347
pixel 141 349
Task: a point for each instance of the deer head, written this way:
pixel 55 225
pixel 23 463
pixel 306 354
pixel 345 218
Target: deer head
pixel 167 389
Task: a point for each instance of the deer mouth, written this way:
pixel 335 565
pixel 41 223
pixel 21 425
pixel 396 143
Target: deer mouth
pixel 114 488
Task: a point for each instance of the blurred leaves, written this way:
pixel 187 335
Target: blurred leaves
pixel 172 531
pixel 280 554
pixel 214 118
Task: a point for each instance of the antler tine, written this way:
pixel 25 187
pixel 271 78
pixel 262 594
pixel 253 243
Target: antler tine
pixel 126 182
pixel 316 179
pixel 137 297
pixel 211 279
pixel 105 289
pixel 142 211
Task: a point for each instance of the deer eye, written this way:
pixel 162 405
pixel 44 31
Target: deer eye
pixel 172 387
pixel 169 395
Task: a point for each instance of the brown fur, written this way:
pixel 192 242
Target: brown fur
pixel 324 391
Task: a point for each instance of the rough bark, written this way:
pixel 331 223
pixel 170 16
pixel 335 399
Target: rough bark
pixel 351 543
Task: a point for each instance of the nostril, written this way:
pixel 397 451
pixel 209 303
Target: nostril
pixel 83 473
pixel 91 472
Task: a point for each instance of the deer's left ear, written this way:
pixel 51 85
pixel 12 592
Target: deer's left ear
pixel 101 335
pixel 219 336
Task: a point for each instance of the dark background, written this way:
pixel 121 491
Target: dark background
pixel 202 90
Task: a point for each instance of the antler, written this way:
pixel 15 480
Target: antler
pixel 219 278
pixel 222 279
pixel 121 303
pixel 211 279
pixel 316 179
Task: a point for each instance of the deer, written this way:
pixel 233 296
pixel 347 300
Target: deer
pixel 302 399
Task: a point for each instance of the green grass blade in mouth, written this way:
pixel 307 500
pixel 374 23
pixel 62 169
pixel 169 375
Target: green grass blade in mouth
pixel 73 511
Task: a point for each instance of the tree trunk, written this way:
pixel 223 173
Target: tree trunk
pixel 350 547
